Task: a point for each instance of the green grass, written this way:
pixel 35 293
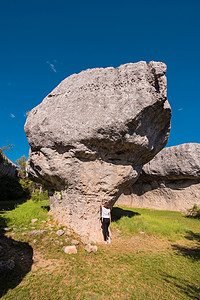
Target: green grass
pixel 163 224
pixel 24 213
pixel 142 262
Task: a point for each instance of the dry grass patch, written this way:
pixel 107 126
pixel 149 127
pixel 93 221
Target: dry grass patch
pixel 138 243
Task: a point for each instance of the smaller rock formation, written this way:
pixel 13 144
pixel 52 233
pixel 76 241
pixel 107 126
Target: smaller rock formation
pixel 10 187
pixel 171 181
pixel 7 167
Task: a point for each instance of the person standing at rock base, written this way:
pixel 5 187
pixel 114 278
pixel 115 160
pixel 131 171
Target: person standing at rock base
pixel 106 220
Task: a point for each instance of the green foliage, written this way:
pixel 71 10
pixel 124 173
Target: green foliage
pixel 21 166
pixel 3 149
pixel 7 147
pixel 193 212
pixel 39 195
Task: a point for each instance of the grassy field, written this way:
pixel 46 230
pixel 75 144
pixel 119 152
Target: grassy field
pixel 152 255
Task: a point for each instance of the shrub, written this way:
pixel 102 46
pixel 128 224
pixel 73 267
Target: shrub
pixel 39 195
pixel 193 212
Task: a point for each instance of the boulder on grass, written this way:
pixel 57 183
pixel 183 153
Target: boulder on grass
pixel 91 136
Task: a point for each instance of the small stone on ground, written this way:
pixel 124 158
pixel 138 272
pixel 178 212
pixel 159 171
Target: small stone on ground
pixel 89 248
pixel 34 220
pixel 74 242
pixel 70 249
pixel 60 232
pixel 36 232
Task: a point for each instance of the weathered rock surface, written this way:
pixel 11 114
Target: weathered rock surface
pixel 7 167
pixel 92 134
pixel 171 181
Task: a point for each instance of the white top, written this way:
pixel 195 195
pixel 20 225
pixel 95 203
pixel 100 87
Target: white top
pixel 105 212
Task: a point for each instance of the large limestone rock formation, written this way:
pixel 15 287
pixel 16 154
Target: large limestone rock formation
pixel 171 181
pixel 91 136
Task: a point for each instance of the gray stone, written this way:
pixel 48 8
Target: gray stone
pixel 60 232
pixel 70 249
pixel 36 232
pixel 68 232
pixel 91 136
pixel 34 220
pixel 89 248
pixel 7 229
pixel 74 242
pixel 171 181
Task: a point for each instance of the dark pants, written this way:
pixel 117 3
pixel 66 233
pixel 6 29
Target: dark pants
pixel 105 225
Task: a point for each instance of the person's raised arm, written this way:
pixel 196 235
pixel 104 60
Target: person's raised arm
pixel 101 201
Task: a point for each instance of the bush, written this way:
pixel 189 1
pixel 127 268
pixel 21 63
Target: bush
pixel 38 195
pixel 193 212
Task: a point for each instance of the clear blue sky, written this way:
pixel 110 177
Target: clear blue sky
pixel 43 42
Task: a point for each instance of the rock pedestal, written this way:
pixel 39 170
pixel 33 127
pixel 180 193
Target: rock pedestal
pixel 91 136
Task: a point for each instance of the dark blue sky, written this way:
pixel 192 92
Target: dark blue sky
pixel 43 42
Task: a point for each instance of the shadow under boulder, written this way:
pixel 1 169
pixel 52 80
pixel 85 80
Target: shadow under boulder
pixel 16 259
pixel 118 213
